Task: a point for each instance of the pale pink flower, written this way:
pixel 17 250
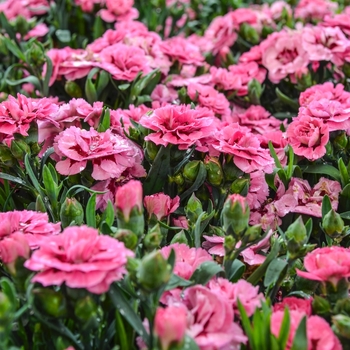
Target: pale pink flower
pixel 119 7
pixel 340 20
pixel 214 245
pixel 180 49
pixel 210 320
pixel 128 197
pixel 35 226
pixel 258 189
pixel 123 62
pixel 80 258
pixel 12 247
pixel 181 221
pixel 283 55
pixel 245 147
pixel 293 303
pixel 242 290
pixel 161 94
pixel 39 30
pixel 208 97
pixel 327 264
pixel 111 155
pixel 24 8
pixel 111 17
pixel 277 7
pixel 161 205
pixel 170 325
pixel 315 9
pixel 308 137
pixel 178 125
pixel 245 15
pixel 109 38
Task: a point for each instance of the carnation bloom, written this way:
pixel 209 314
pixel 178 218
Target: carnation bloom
pixel 248 156
pixel 242 290
pixel 12 247
pixel 308 137
pixel 210 320
pixel 315 9
pixel 80 258
pixel 119 7
pixel 161 205
pixel 293 303
pixel 258 189
pixel 111 155
pixel 327 264
pixel 178 125
pixel 33 225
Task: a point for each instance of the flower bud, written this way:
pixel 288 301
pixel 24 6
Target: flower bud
pixel 255 91
pixel 71 210
pixel 35 55
pixel 215 173
pixel 73 89
pixel 128 237
pixel 180 237
pixel 240 186
pixel 19 149
pixel 152 150
pixel 191 170
pixel 21 25
pixel 296 237
pixel 153 238
pixel 249 33
pixel 193 208
pixel 333 224
pixel 6 156
pixel 342 306
pixel 341 141
pixel 87 312
pixel 170 325
pixel 320 306
pixel 229 245
pixel 50 302
pixel 153 271
pixel 341 324
pixel 235 215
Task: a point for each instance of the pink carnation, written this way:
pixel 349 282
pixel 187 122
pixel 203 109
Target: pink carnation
pixel 340 20
pixel 161 205
pixel 24 8
pixel 12 247
pixel 80 258
pixel 210 320
pixel 308 137
pixel 293 303
pixel 248 156
pixel 178 125
pixel 39 30
pixel 327 264
pixel 315 9
pixel 162 94
pixel 119 7
pixel 111 155
pixel 35 226
pixel 258 189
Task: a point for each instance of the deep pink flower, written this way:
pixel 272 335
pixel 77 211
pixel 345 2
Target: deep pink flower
pixel 80 258
pixel 119 7
pixel 308 137
pixel 110 154
pixel 129 196
pixel 123 62
pixel 242 290
pixel 170 324
pixel 35 226
pixel 210 320
pixel 327 264
pixel 161 205
pixel 178 125
pixel 248 156
pixel 12 247
pixel 293 303
pixel 315 9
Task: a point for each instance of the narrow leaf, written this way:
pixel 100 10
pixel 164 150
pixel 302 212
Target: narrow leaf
pixel 90 213
pixel 205 272
pixel 326 206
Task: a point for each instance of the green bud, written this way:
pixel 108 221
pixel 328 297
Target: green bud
pixel 215 173
pixel 240 186
pixel 50 302
pixel 129 238
pixel 6 156
pixel 21 25
pixel 320 306
pixel 73 89
pixel 252 234
pixel 342 306
pixel 341 141
pixel 180 237
pixel 249 33
pixel 35 148
pixel 333 224
pixel 191 170
pixel 231 172
pixel 19 149
pixel 341 325
pixel 229 244
pixel 193 208
pixel 87 312
pixel 132 267
pixel 178 179
pixel 35 55
pixel 346 69
pixel 255 91
pixel 296 237
pixel 329 149
pixel 153 272
pixel 71 210
pixel 266 31
pixel 152 150
pixel 153 238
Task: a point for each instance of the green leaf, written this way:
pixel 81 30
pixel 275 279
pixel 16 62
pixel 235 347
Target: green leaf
pixel 48 75
pixel 274 270
pixel 274 156
pixel 326 206
pixel 51 186
pixel 344 175
pixel 7 26
pixel 290 168
pixel 286 100
pixel 248 329
pixel 308 227
pixel 31 79
pixel 12 46
pixel 14 179
pixel 285 329
pixel 39 204
pixel 90 213
pixel 8 288
pixel 345 215
pixel 97 29
pixel 189 343
pixel 323 169
pixel 200 226
pixel 201 176
pixel 176 281
pixel 63 35
pixel 105 121
pixel 109 213
pixel 126 310
pixel 205 272
pixel 235 270
pixel 300 338
pixel 346 192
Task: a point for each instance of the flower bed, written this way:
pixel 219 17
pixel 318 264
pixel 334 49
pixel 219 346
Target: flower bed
pixel 174 175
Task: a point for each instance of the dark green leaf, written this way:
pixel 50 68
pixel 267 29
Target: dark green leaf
pixel 48 75
pixel 344 175
pixel 274 156
pixel 9 290
pixel 285 329
pixel 323 169
pixel 300 338
pixel 274 270
pixel 63 35
pixel 12 46
pixel 205 272
pixel 90 213
pixel 14 179
pixel 176 281
pixel 105 121
pixel 326 206
pixel 287 100
pixel 234 270
pixel 308 227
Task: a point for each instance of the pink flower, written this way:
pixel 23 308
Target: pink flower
pixel 327 264
pixel 242 290
pixel 33 225
pixel 315 9
pixel 210 320
pixel 207 96
pixel 119 7
pixel 283 55
pixel 39 30
pixel 181 221
pixel 128 197
pixel 258 189
pixel 123 62
pixel 170 325
pixel 178 125
pixel 180 49
pixel 248 156
pixel 80 258
pixel 214 245
pixel 12 247
pixel 161 205
pixel 111 155
pixel 162 94
pixel 24 8
pixel 308 137
pixel 293 303
pixel 340 20
pixel 277 7
pixel 319 334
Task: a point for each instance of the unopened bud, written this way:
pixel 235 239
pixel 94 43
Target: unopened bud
pixel 215 173
pixel 71 210
pixel 19 149
pixel 333 224
pixel 50 302
pixel 191 170
pixel 341 324
pixel 73 89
